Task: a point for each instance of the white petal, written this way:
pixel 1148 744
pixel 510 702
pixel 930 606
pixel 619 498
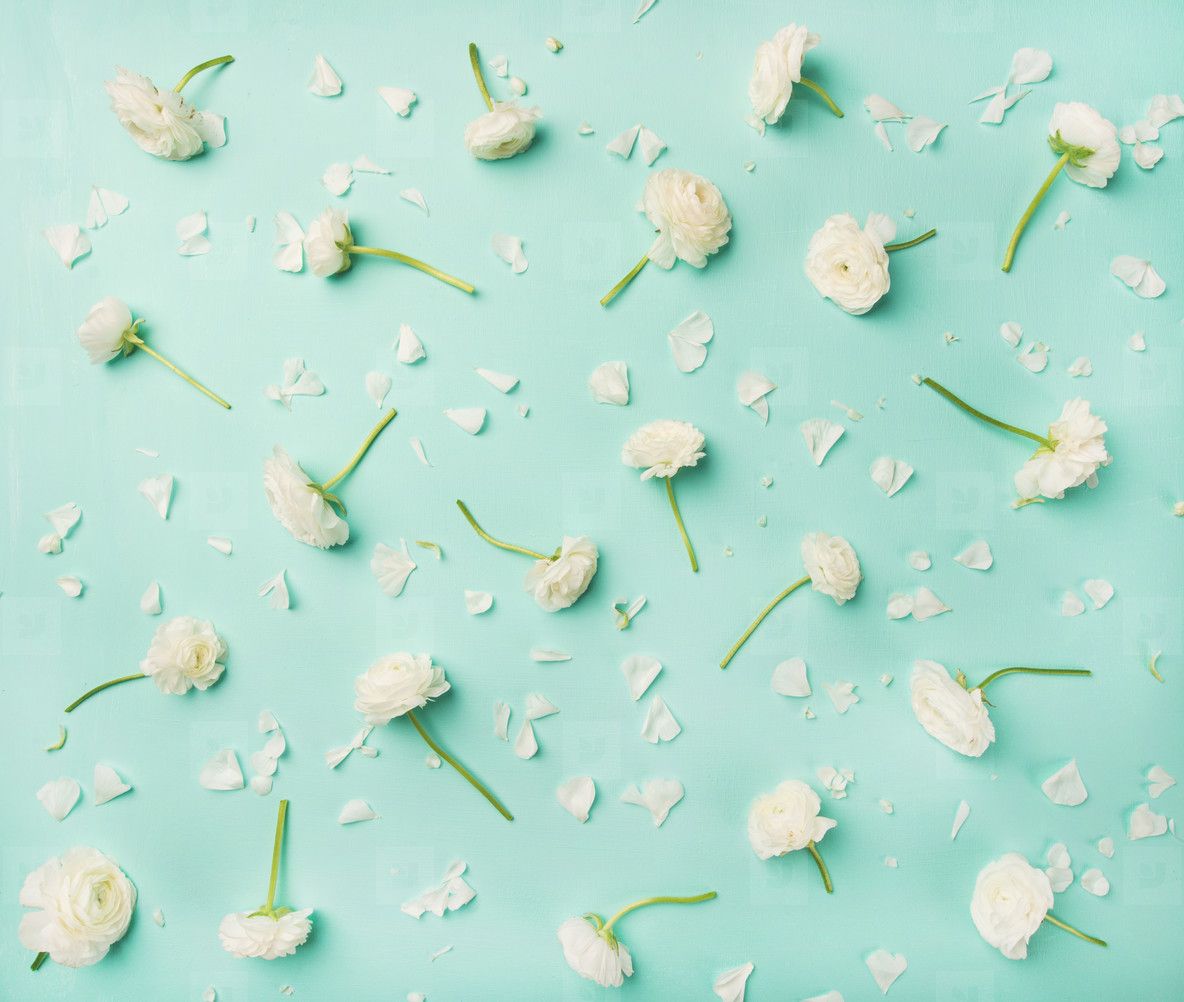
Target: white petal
pixel 1147 156
pixel 324 81
pixel 338 178
pixel 1065 786
pixel 64 518
pixel 221 544
pixel 729 986
pixel 609 383
pixel 150 600
pixel 103 203
pixel 789 678
pixel 1137 341
pixel 880 227
pixel 643 9
pixel 1011 332
pixel 640 670
pixel 1081 367
pixel 410 348
pixel 1071 605
pixel 398 99
pixel 509 249
pixel 926 605
pixel 1159 780
pixel 576 796
pixel 470 419
pixel 922 131
pixel 1145 823
pixel 415 197
pixel 919 561
pixel 842 695
pixel 544 654
pixel 820 435
pixel 50 543
pixel 108 784
pixel 1093 881
pixel 585 129
pixel 289 239
pixel 886 968
pixel 367 166
pixel 883 110
pixel 539 706
pixel 191 226
pixel 659 724
pixel 498 380
pixel 622 146
pixel 266 722
pixel 882 135
pixel 1099 590
pixel 71 585
pixel 417 446
pixel 477 602
pixel 68 242
pixel 1030 66
pixel 752 388
pixel 391 568
pixel 899 606
pixel 222 772
pixel 355 811
pixel 1106 847
pixel 261 785
pixel 525 745
pixel 277 588
pixel 501 720
pixel 994 110
pixel 1138 275
pixel 1033 357
pixel 650 145
pixel 688 339
pixel 378 385
pixel 659 797
pixel 890 475
pixel 159 492
pixel 59 796
pixel 977 556
pixel 960 817
pixel 500 65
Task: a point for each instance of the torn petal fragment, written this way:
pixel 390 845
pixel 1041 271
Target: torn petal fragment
pixel 222 772
pixel 890 475
pixel 977 556
pixel 576 796
pixel 1065 786
pixel 59 796
pixel 789 679
pixel 469 419
pixel 640 670
pixel 324 81
pixel 107 784
pixel 355 811
pixel 820 435
pixel 659 724
pixel 159 492
pixel 689 339
pixel 609 383
pixel 659 796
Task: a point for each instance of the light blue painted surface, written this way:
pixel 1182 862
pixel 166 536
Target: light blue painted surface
pixel 69 431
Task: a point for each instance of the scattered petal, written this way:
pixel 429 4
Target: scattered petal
pixel 221 544
pixel 158 917
pixel 335 756
pixel 789 679
pixel 1106 847
pixel 977 556
pixel 391 568
pixel 899 606
pixel 452 893
pixel 883 110
pixel 417 446
pixel 1147 157
pixel 576 796
pixel 921 132
pixel 526 745
pixel 398 99
pixel 752 388
pixel 103 204
pixel 1094 882
pixel 730 985
pixel 622 146
pixel 324 81
pixel 1065 786
pixel 498 380
pixel 544 654
pixel 277 588
pixel 378 385
pixel 835 781
pixel 1099 590
pixel 59 796
pixel 1071 605
pixel 1030 66
pixel 890 475
pixel 1033 357
pixel 1137 341
pixel 501 720
pixel 640 670
pixel 1158 780
pixel 222 772
pixel 191 231
pixel 659 724
pixel 926 605
pixel 500 65
pixel 650 145
pixel 609 383
pixel 470 419
pixel 886 968
pixel 919 560
pixel 108 784
pixel 367 166
pixel 842 695
pixel 1081 367
pixel 820 434
pixel 509 249
pixel 477 602
pixel 71 585
pixel 159 492
pixel 1061 220
pixel 289 239
pixel 61 743
pixel 659 797
pixel 960 817
pixel 355 811
pixel 689 339
pixel 1011 332
pixel 409 348
pixel 338 179
pixel 415 197
pixel 539 706
pixel 1145 823
pixel 68 242
pixel 1138 275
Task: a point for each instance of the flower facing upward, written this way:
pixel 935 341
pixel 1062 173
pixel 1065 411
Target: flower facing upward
pixel 1079 449
pixel 185 654
pixel 556 584
pixel 832 565
pixel 786 820
pixel 664 447
pixel 162 122
pixel 396 684
pixel 849 265
pixel 948 712
pixel 1011 898
pixel 689 214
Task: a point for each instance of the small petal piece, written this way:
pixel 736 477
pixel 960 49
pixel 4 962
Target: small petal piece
pixel 659 796
pixel 470 419
pixel 640 670
pixel 509 249
pixel 659 724
pixel 890 475
pixel 68 242
pixel 108 784
pixel 820 435
pixel 1138 275
pixel 977 556
pixel 576 796
pixel 1099 590
pixel 960 817
pixel 59 796
pixel 159 492
pixel 1065 786
pixel 222 772
pixel 689 339
pixel 609 383
pixel 886 968
pixel 324 81
pixel 729 986
pixel 355 811
pixel 398 99
pixel 789 679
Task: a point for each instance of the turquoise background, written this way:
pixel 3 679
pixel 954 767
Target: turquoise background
pixel 70 429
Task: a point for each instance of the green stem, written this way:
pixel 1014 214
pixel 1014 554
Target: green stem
pixel 830 888
pixel 40 959
pixel 682 529
pixel 817 89
pixel 277 848
pixel 612 293
pixel 933 384
pixel 423 266
pixel 760 619
pixel 1019 229
pixel 357 457
pixel 139 343
pixel 1049 917
pixel 464 510
pixel 99 688
pixel 477 784
pixel 1030 671
pixel 476 61
pixel 202 66
pixel 661 900
pixel 911 243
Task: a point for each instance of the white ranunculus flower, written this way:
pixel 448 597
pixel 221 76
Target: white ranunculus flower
pixel 599 958
pixel 247 934
pixel 301 509
pixel 832 565
pixel 664 447
pixel 185 654
pixel 1079 450
pixel 502 132
pixel 1011 898
pixel 777 67
pixel 848 265
pixel 1078 125
pixel 83 903
pixel 950 713
pixel 689 214
pixel 786 820
pixel 162 122
pixel 327 243
pixel 102 332
pixel 396 684
pixel 556 584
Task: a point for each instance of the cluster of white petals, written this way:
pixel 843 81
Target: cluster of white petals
pixel 556 584
pixel 832 565
pixel 267 937
pixel 102 333
pixel 786 820
pixel 162 122
pixel 599 958
pixel 848 265
pixel 663 448
pixel 1079 450
pixel 299 507
pixel 396 684
pixel 327 243
pixel 956 717
pixel 689 214
pixel 1078 125
pixel 185 654
pixel 502 132
pixel 1011 898
pixel 776 68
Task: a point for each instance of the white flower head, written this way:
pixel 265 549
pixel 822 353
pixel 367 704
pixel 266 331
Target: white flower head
pixel 1011 898
pixel 556 584
pixel 257 934
pixel 162 123
pixel 594 954
pixel 664 448
pixel 396 684
pixel 849 265
pixel 777 67
pixel 1090 140
pixel 786 820
pixel 83 903
pixel 832 565
pixel 185 654
pixel 956 717
pixel 502 132
pixel 1079 450
pixel 300 507
pixel 689 214
pixel 327 243
pixel 103 333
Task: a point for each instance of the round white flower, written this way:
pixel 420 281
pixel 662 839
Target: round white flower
pixel 1011 898
pixel 327 243
pixel 603 959
pixel 246 934
pixel 832 565
pixel 84 903
pixel 301 510
pixel 689 214
pixel 777 67
pixel 185 654
pixel 786 820
pixel 161 122
pixel 665 447
pixel 556 584
pixel 102 332
pixel 396 684
pixel 1079 449
pixel 957 718
pixel 1079 125
pixel 503 132
pixel 849 265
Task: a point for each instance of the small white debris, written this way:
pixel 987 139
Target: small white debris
pixel 960 817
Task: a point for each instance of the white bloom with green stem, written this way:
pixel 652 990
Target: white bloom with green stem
pixel 505 130
pixel 592 949
pixel 788 820
pixel 776 68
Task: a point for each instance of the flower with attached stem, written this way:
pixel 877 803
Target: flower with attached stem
pixel 956 713
pixel 831 568
pixel 268 932
pixel 109 332
pixel 329 243
pixel 665 447
pixel 555 581
pixel 397 685
pixel 776 68
pixel 592 949
pixel 787 820
pixel 163 123
pixel 1068 456
pixel 505 130
pixel 1087 150
pixel 307 508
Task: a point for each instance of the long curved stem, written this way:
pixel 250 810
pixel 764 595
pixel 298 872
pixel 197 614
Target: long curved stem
pixel 1030 671
pixel 276 850
pixel 760 619
pixel 1050 917
pixel 219 61
pixel 414 262
pixel 905 245
pixel 476 783
pixel 813 849
pixel 817 89
pixel 682 529
pixel 660 900
pixel 933 384
pixel 357 456
pixel 40 959
pixel 475 60
pixel 1020 226
pixel 99 688
pixel 139 342
pixel 612 293
pixel 464 510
